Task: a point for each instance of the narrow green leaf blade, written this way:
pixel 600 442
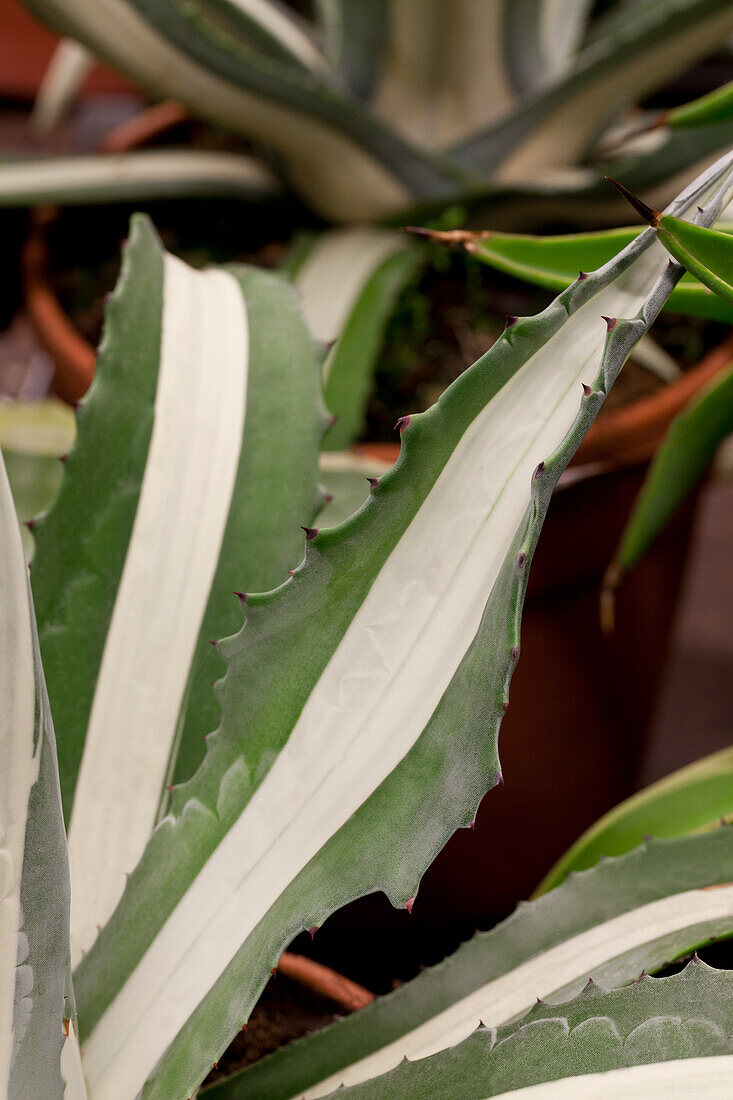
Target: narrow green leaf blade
pixel 688 449
pixel 706 253
pixel 716 106
pixel 690 799
pixel 554 262
pixel 670 1037
pixel 336 769
pixel 642 910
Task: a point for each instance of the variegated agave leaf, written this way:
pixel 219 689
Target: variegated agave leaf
pixel 195 464
pixel 37 1026
pixel 640 911
pixel 554 125
pixel 670 1037
pixel 128 177
pixel 347 162
pixel 362 699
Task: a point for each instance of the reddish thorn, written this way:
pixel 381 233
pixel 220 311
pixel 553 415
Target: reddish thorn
pixel 611 322
pixel 213 642
pixel 582 275
pixel 310 532
pixel 540 470
pixel 700 210
pixel 510 320
pixel 241 596
pixel 409 904
pixel 214 1065
pixel 641 208
pixel 373 482
pixel 499 778
pixel 291 572
pixel 522 560
pixel 327 498
pixel 313 930
pixel 472 824
pixel 170 789
pixel 402 423
pixel 586 389
pixel 244 1027
pixel 505 706
pixel 332 420
pixel 514 652
pixel 29 523
pixel 62 458
pixel 274 971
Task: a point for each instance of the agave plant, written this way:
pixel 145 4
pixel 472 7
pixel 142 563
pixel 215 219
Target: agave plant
pixel 356 709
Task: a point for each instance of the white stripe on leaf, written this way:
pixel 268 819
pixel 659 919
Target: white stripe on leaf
pixel 170 564
pixel 679 1079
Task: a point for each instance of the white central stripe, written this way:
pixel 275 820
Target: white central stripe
pixel 376 694
pixel 18 764
pixel 170 564
pixel 681 1079
pixel 516 991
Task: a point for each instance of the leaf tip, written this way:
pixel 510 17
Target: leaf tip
pixel 641 208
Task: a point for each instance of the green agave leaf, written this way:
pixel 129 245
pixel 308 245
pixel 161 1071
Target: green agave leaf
pixel 670 1037
pixel 124 177
pixel 642 910
pixel 195 463
pixel 706 253
pixel 349 281
pixel 555 125
pixel 554 262
pixel 688 800
pixel 347 164
pixel 336 769
pixel 34 878
pixel 716 106
pixel 687 451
